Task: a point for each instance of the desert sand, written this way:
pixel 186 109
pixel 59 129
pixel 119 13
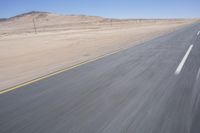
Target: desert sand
pixel 62 41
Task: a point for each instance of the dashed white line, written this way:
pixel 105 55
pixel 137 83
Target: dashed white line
pixel 198 33
pixel 198 74
pixel 180 66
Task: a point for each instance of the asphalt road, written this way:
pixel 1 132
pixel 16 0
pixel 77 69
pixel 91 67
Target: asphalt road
pixel 150 88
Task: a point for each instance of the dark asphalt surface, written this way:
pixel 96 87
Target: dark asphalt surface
pixel 133 91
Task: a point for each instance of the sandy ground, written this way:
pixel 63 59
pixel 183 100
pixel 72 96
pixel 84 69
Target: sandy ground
pixel 25 55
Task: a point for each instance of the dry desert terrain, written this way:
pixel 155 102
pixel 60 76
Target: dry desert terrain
pixel 62 41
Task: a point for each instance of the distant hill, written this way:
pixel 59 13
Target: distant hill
pixel 3 19
pixel 29 13
pixel 48 15
pixel 45 21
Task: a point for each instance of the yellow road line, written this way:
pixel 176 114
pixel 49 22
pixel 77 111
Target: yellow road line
pixel 59 71
pixel 66 69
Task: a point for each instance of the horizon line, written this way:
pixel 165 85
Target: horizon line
pixel 76 14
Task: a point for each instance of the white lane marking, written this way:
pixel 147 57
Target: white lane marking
pixel 198 74
pixel 180 66
pixel 198 33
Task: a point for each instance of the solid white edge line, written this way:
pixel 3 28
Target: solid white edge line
pixel 180 66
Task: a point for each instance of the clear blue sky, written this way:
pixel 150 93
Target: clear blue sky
pixel 106 8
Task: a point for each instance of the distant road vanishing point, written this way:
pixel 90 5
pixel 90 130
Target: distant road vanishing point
pixel 150 88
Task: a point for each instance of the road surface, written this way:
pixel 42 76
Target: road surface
pixel 150 88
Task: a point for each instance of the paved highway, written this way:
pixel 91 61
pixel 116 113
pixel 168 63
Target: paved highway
pixel 150 88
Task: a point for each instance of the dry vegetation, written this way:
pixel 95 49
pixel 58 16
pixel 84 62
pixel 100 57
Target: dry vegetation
pixel 62 41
